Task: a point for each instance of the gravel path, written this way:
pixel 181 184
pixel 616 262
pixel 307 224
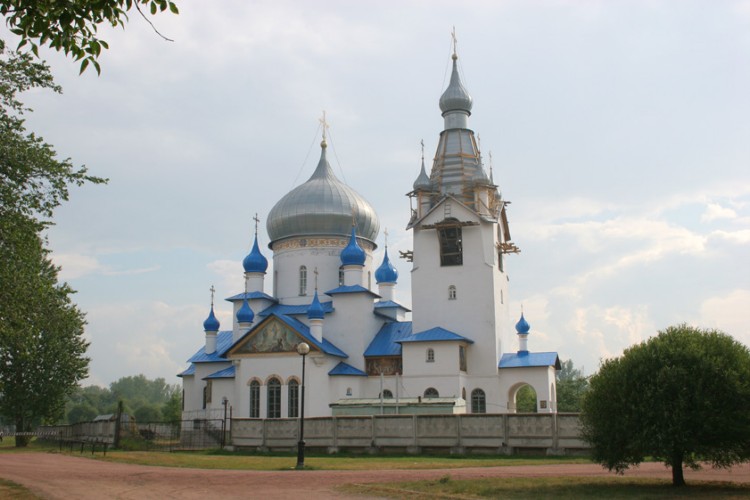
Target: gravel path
pixel 56 476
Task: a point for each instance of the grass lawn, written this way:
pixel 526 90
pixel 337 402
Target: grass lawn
pixel 9 489
pixel 254 461
pixel 549 487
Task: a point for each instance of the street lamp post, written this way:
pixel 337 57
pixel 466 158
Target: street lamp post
pixel 302 350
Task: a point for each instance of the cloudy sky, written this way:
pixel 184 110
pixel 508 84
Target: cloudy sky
pixel 620 131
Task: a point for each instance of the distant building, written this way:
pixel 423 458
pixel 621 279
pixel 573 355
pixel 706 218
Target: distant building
pixel 366 355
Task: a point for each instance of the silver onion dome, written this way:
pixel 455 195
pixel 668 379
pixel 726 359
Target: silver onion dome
pixel 322 206
pixel 455 97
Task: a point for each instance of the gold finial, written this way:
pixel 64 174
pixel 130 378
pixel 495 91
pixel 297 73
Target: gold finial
pixel 257 221
pixel 315 272
pixel 422 143
pixel 213 290
pixel 455 42
pixel 385 233
pixel 325 126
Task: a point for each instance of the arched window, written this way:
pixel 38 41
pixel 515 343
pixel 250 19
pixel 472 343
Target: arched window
pixel 302 280
pixel 293 398
pixel 452 292
pixel 254 399
pixel 274 399
pixel 430 355
pixel 463 393
pixel 341 276
pixel 205 396
pixel 431 392
pixel 387 394
pixel 478 401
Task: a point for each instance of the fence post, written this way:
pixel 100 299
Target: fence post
pixel 116 443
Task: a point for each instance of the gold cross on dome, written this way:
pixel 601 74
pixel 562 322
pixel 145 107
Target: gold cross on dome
pixel 213 290
pixel 324 124
pixel 455 40
pixel 257 221
pixel 422 143
pixel 385 233
pixel 315 272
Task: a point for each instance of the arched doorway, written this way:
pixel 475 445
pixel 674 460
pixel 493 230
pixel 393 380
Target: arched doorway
pixel 525 399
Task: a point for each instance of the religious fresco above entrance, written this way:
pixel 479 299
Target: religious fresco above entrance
pixel 273 337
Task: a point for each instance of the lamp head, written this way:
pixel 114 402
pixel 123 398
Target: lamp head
pixel 303 348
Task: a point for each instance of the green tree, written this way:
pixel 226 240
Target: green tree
pixel 172 409
pixel 526 400
pixel 42 350
pixel 82 413
pixel 71 26
pixel 681 397
pixel 571 387
pixel 147 413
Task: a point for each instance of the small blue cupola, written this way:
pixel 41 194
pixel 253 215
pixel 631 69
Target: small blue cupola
pixel 255 262
pixel 522 327
pixel 211 324
pixel 245 314
pixel 315 311
pixel 386 273
pixel 353 255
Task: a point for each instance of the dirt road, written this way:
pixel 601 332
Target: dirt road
pixel 56 476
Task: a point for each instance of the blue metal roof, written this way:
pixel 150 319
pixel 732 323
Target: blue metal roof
pixel 526 359
pixel 223 343
pixel 189 371
pixel 288 310
pixel 344 369
pixel 384 304
pixel 304 331
pixel 225 373
pixel 351 289
pixel 436 334
pixel 250 296
pixel 385 342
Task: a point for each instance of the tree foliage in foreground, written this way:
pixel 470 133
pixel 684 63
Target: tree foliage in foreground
pixel 71 26
pixel 42 350
pixel 681 397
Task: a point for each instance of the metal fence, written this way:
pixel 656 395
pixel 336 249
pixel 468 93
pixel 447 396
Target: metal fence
pixel 194 434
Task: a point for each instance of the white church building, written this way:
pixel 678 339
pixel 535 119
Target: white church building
pixel 368 354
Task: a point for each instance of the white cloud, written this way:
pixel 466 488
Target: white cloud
pixel 729 313
pixel 715 211
pixel 741 236
pixel 74 266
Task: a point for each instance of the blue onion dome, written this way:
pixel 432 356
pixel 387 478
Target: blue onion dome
pixel 455 97
pixel 386 273
pixel 322 206
pixel 245 313
pixel 423 181
pixel 352 254
pixel 523 326
pixel 211 324
pixel 315 311
pixel 255 262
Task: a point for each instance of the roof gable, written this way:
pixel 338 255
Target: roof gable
pixel 385 342
pixel 351 289
pixel 345 369
pixel 223 343
pixel 436 334
pixel 278 333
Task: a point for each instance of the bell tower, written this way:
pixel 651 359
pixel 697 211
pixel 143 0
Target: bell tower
pixel 461 235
